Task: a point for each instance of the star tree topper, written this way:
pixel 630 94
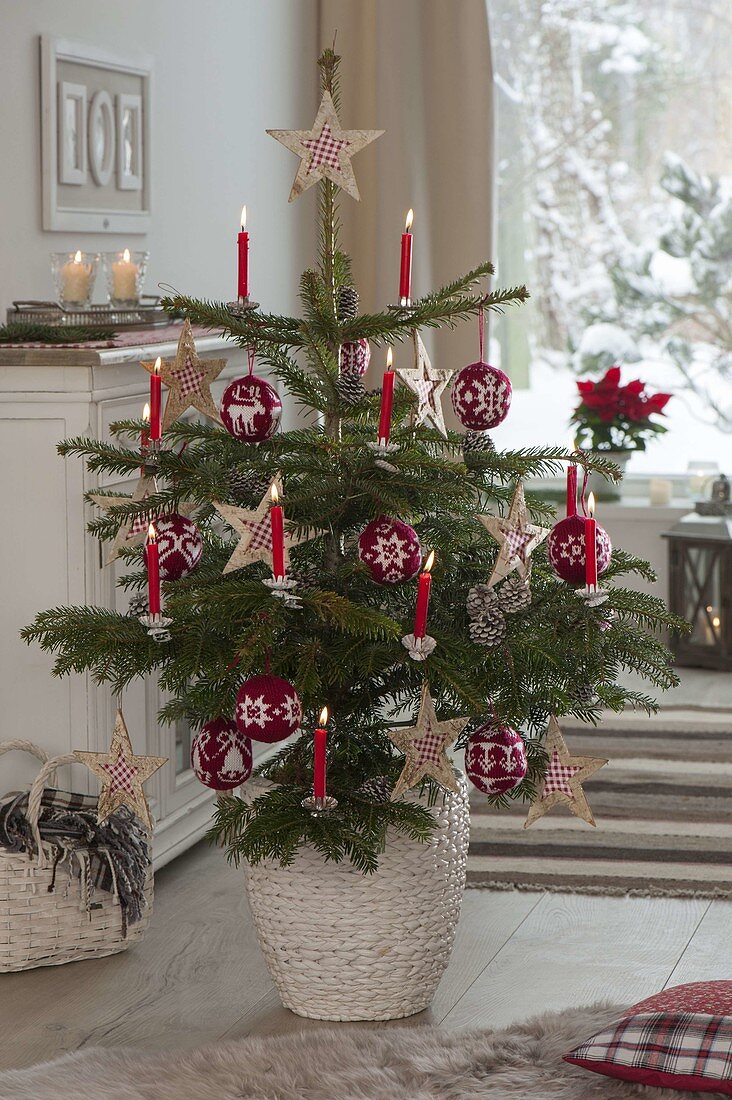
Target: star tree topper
pixel 516 536
pixel 122 775
pixel 325 151
pixel 188 379
pixel 562 782
pixel 134 532
pixel 252 525
pixel 424 746
pixel 428 384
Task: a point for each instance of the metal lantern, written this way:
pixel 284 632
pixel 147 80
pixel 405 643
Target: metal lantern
pixel 700 586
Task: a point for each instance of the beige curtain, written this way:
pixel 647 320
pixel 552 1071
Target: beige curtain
pixel 421 70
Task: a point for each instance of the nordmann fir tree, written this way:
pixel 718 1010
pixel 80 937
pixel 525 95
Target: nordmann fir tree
pixel 342 645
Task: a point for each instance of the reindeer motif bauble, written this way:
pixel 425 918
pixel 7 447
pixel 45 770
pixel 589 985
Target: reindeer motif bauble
pixel 251 409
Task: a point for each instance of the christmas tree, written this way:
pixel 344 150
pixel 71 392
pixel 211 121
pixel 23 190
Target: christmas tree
pixel 366 492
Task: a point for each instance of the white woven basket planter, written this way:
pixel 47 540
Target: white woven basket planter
pixel 41 926
pixel 341 945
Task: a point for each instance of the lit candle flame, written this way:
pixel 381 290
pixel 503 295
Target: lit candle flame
pixel 323 717
pixel 77 257
pixel 243 218
pixel 389 358
pixel 151 534
pixel 274 494
pixel 716 622
pixel 126 255
pixel 409 220
pixel 146 413
pixel 591 504
pixel 158 365
pixel 430 562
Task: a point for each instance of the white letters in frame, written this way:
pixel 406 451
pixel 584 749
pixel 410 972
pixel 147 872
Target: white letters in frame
pixel 71 132
pixel 101 138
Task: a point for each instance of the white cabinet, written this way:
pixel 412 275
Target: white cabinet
pixel 47 559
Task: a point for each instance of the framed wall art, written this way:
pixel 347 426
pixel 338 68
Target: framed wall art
pixel 95 138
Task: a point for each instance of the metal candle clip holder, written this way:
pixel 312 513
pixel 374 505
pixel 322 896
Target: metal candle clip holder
pixel 419 649
pixel 241 306
pixel 320 806
pixel 592 595
pixel 157 626
pixel 150 453
pixel 405 306
pixel 282 589
pixel 381 449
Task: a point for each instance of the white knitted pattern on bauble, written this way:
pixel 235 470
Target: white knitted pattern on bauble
pixel 341 945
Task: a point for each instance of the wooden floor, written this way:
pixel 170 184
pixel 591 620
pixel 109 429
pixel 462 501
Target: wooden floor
pixel 199 975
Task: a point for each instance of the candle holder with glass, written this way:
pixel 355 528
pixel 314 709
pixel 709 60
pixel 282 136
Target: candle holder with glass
pixel 125 275
pixel 74 274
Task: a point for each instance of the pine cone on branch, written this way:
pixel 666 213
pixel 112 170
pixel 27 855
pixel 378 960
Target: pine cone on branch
pixel 481 598
pixel 489 630
pixel 350 388
pixel 475 443
pixel 246 484
pixel 347 304
pixel 377 789
pixel 514 594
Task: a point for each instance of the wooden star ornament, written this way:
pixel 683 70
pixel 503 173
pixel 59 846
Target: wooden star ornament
pixel 562 782
pixel 133 532
pixel 122 775
pixel 253 527
pixel 188 379
pixel 424 746
pixel 325 151
pixel 428 384
pixel 516 536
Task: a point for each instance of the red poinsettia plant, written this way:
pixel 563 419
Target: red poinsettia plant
pixel 611 417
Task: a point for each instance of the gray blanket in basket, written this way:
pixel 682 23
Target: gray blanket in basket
pixel 114 856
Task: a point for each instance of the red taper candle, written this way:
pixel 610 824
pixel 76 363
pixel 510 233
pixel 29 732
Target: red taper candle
pixel 405 270
pixel 156 424
pixel 152 560
pixel 320 741
pixel 277 525
pixel 243 252
pixel 591 544
pixel 572 489
pixel 145 434
pixel 423 597
pixel 387 400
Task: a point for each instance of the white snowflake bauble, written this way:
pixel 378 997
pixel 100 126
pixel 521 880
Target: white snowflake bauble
pixel 390 549
pixel 221 756
pixel 566 549
pixel 268 709
pixel 481 396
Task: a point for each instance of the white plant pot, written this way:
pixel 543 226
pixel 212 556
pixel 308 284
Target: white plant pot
pixel 341 945
pixel 599 485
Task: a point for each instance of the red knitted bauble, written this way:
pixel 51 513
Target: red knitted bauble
pixel 355 356
pixel 179 546
pixel 390 549
pixel 267 709
pixel 566 549
pixel 481 396
pixel 251 409
pixel 495 758
pixel 221 757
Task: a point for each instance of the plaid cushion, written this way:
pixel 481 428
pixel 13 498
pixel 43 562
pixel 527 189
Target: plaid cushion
pixel 669 1049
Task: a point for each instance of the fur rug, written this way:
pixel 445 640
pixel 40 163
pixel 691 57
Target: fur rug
pixel 522 1062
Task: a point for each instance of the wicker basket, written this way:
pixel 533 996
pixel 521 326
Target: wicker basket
pixel 40 926
pixel 341 945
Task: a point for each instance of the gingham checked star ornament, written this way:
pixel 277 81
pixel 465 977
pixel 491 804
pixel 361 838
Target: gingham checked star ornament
pixel 325 151
pixel 134 532
pixel 424 746
pixel 122 774
pixel 428 384
pixel 516 536
pixel 188 379
pixel 562 782
pixel 252 525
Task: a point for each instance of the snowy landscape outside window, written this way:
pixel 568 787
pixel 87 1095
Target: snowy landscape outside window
pixel 614 179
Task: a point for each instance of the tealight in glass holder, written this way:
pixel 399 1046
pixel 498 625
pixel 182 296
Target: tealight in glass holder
pixel 74 274
pixel 125 274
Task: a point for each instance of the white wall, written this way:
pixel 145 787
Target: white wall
pixel 224 71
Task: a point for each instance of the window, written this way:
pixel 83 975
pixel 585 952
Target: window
pixel 614 164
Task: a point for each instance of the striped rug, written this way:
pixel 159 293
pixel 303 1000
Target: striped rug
pixel 663 807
